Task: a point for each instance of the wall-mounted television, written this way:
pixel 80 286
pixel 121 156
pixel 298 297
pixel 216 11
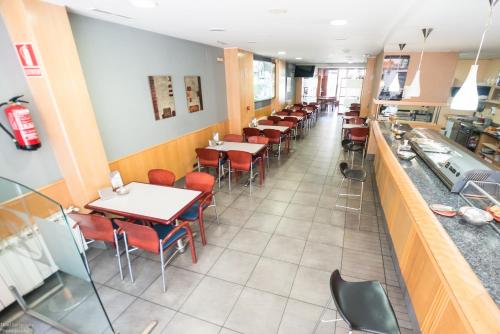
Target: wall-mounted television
pixel 304 71
pixel 264 83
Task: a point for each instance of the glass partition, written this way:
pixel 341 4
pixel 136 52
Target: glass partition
pixel 42 272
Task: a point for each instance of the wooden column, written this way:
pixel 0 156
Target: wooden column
pixel 239 88
pixel 280 97
pixel 366 91
pixel 298 90
pixel 61 94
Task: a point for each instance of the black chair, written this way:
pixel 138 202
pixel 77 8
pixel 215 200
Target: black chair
pixel 364 306
pixel 351 174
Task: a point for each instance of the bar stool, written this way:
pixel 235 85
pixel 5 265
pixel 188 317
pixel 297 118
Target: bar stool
pixel 351 147
pixel 350 174
pixel 364 306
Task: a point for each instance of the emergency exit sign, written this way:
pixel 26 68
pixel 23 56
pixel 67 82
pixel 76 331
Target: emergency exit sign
pixel 28 60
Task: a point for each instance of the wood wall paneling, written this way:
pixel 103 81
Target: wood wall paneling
pixel 366 91
pixel 177 155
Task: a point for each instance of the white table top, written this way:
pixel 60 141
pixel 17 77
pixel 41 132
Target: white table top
pixel 273 127
pixel 297 117
pixel 245 147
pixel 353 126
pixel 148 201
pixel 349 117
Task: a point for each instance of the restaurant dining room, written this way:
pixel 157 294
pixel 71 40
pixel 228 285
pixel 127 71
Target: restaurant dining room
pixel 256 167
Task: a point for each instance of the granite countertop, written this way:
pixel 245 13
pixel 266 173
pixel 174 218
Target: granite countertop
pixel 479 245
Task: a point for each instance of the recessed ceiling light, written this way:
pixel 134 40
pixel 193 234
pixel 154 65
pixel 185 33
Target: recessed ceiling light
pixel 144 3
pixel 298 58
pixel 282 52
pixel 338 22
pixel 277 11
pixel 217 29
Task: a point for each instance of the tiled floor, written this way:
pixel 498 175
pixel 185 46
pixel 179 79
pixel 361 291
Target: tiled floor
pixel 266 267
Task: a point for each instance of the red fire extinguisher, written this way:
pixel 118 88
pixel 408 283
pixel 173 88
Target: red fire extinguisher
pixel 24 132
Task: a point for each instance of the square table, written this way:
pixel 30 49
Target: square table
pixel 149 202
pixel 282 129
pixel 253 149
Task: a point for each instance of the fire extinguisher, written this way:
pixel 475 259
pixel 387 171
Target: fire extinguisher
pixel 24 133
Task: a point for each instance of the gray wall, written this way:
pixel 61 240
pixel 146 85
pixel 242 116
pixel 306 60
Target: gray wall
pixel 36 168
pixel 116 62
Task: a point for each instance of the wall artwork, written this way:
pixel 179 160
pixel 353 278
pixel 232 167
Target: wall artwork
pixel 193 93
pixel 392 66
pixel 162 94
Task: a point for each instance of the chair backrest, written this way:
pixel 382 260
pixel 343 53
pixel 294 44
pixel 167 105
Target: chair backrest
pixel 248 132
pixel 298 105
pixel 240 160
pixel 287 110
pixel 207 156
pixel 161 177
pixel 273 135
pixel 358 120
pixel 355 105
pixel 258 140
pixel 295 113
pixel 141 236
pixel 233 138
pixel 336 284
pixel 359 133
pixel 352 113
pixel 200 181
pixel 343 167
pixel 265 122
pixel 275 119
pixel 286 123
pixel 282 113
pixel 94 227
pixel 291 119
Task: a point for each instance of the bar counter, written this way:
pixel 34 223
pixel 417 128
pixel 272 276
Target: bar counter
pixel 451 269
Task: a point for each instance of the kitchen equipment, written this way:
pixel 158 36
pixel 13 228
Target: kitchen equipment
pixel 475 216
pixel 452 163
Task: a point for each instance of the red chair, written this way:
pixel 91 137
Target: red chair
pixel 358 120
pixel 275 119
pixel 282 113
pixel 288 111
pixel 161 177
pixel 359 134
pixel 249 132
pixel 203 182
pixel 233 138
pixel 274 139
pixel 97 228
pixel 295 127
pixel 240 161
pixel 352 113
pixel 207 158
pixel 156 239
pixel 265 122
pixel 261 140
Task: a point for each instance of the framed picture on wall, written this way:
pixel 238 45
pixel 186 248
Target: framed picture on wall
pixel 162 94
pixel 393 66
pixel 193 93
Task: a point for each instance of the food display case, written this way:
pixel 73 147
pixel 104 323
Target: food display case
pixel 452 163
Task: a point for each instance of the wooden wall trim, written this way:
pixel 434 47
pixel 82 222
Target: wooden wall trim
pixel 446 294
pixel 177 155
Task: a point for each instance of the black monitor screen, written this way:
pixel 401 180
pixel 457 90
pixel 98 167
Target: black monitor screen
pixel 305 71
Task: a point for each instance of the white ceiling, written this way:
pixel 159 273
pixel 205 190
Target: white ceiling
pixel 304 30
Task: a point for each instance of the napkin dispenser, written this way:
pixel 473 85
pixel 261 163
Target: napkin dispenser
pixel 216 137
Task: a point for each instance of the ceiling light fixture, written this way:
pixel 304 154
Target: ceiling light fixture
pixel 414 89
pixel 277 11
pixel 282 52
pixel 338 22
pixel 395 86
pixel 216 29
pixel 144 3
pixel 298 58
pixel 467 97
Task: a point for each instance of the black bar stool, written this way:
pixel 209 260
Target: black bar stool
pixel 351 174
pixel 352 147
pixel 364 306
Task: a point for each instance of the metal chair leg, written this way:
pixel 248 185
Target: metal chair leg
pixel 198 162
pixel 117 246
pixel 82 239
pixel 128 257
pixel 215 208
pixel 162 268
pixel 251 176
pixel 229 175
